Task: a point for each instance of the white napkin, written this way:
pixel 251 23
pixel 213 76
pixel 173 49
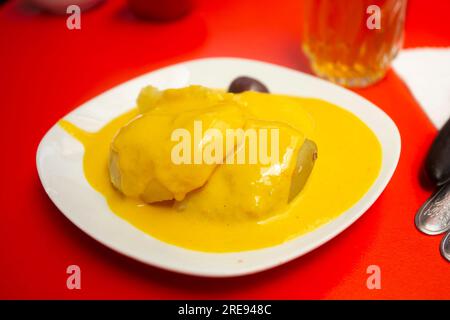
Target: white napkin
pixel 426 71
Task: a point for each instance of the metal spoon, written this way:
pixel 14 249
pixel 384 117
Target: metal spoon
pixel 445 247
pixel 434 216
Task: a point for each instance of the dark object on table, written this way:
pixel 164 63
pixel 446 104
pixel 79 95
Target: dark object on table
pixel 160 10
pixel 60 6
pixel 241 84
pixel 437 163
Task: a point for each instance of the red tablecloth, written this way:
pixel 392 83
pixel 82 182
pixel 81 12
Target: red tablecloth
pixel 47 70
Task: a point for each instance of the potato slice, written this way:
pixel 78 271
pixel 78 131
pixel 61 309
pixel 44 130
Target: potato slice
pixel 259 190
pixel 306 158
pixel 141 158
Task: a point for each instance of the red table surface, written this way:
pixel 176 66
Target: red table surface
pixel 47 70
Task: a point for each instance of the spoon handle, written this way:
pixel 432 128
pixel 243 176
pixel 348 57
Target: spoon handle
pixel 445 247
pixel 434 216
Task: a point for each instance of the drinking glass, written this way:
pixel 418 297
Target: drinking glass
pixel 352 42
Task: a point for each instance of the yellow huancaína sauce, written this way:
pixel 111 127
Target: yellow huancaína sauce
pixel 349 160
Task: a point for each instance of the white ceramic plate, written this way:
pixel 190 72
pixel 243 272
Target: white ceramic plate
pixel 59 163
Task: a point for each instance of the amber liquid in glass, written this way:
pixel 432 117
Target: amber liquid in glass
pixel 341 46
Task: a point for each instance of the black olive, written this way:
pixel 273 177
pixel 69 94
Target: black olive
pixel 241 84
pixel 437 163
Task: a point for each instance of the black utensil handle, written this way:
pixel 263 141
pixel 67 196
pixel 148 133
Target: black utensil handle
pixel 437 163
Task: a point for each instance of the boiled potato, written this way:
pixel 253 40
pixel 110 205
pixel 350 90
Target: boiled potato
pixel 306 157
pixel 256 190
pixel 141 157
